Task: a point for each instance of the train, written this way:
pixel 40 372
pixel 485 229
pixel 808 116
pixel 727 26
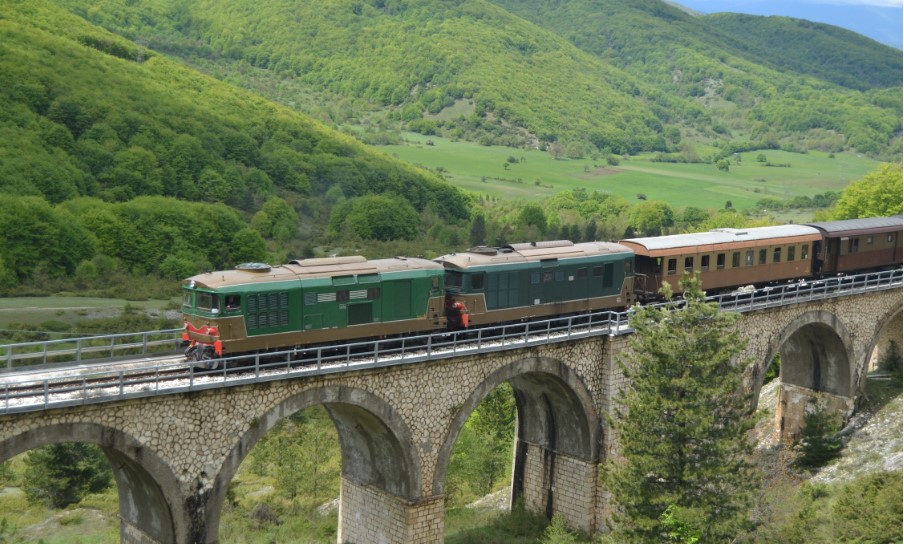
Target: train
pixel 258 308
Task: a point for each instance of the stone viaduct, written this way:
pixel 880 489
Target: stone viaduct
pixel 173 456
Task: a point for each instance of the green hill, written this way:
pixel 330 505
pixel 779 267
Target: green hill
pixel 750 95
pixel 417 58
pixel 85 112
pixel 822 51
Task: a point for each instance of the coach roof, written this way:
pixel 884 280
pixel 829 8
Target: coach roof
pixel 721 236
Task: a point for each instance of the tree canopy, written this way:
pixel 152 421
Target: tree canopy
pixel 682 425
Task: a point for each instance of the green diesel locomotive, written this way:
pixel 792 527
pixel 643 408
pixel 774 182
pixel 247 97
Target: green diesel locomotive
pixel 257 307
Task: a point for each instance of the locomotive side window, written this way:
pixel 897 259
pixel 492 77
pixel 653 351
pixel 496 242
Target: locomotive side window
pixel 582 272
pixel 720 261
pixel 187 299
pixel 673 266
pixel 689 264
pixel 762 256
pixel 629 267
pixel 453 279
pixel 791 253
pixel 704 262
pixel 609 275
pixel 736 259
pixel 777 255
pixel 748 258
pixel 477 281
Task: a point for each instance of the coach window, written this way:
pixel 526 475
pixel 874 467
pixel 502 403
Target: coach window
pixel 704 263
pixel 777 255
pixel 720 261
pixel 854 245
pixel 890 238
pixel 689 264
pixel 736 259
pixel 762 256
pixel 748 258
pixel 673 266
pixel 869 240
pixel 804 252
pixel 659 264
pixel 791 253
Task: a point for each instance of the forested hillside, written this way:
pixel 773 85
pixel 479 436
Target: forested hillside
pixel 826 52
pixel 595 75
pixel 419 58
pixel 84 113
pixel 733 76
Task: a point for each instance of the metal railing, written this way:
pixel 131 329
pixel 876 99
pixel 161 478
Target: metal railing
pixel 163 379
pixel 76 350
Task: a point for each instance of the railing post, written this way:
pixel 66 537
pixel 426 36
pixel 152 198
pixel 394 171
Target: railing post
pixel 144 343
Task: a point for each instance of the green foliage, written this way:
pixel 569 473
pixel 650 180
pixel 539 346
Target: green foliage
pixel 62 474
pixel 557 532
pixel 651 217
pixel 819 442
pixel 682 424
pixel 378 217
pixel 878 194
pixel 865 510
pixel 482 454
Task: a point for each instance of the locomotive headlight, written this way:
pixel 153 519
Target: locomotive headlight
pixel 191 284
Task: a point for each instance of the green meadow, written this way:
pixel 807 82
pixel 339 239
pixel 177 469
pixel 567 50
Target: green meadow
pixel 535 174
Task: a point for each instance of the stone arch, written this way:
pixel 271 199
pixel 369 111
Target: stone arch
pixel 555 409
pixel 816 354
pixel 148 490
pixel 888 327
pixel 377 449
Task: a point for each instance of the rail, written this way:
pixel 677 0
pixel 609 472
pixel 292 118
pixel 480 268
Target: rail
pixel 172 378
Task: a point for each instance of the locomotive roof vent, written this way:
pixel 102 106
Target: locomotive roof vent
pixel 483 250
pixel 254 267
pixel 328 261
pixel 543 245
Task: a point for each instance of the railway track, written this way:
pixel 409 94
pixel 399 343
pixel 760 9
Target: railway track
pixel 31 389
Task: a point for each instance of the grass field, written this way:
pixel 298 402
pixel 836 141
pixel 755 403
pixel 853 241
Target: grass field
pixel 37 310
pixel 485 170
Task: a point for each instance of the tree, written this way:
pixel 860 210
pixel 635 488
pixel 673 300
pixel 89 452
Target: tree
pixel 682 425
pixel 533 215
pixel 819 442
pixel 62 474
pixel 651 217
pixel 878 194
pixel 557 532
pixel 478 234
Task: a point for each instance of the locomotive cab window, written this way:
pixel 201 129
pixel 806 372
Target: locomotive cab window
pixel 434 284
pixel 232 303
pixel 208 301
pixel 453 279
pixel 187 299
pixel 629 267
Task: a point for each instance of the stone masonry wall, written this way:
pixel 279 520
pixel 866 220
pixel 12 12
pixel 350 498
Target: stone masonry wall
pixel 572 489
pixel 371 516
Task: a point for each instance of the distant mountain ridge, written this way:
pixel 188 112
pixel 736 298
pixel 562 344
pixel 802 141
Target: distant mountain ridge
pixel 882 23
